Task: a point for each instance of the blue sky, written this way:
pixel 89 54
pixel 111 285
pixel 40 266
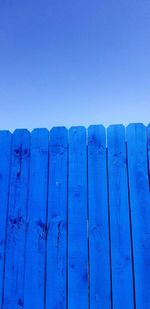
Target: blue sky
pixel 74 62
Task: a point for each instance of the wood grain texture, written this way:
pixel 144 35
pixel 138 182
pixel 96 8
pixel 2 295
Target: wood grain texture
pixel 56 276
pixel 77 220
pixel 100 286
pixel 17 224
pixel 140 211
pixel 34 291
pixel 5 151
pixel 121 254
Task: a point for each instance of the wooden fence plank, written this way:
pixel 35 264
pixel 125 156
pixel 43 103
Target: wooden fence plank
pixel 57 220
pixel 98 220
pixel 16 228
pixel 121 254
pixel 148 148
pixel 77 220
pixel 140 211
pixel 34 292
pixel 5 151
pixel 74 232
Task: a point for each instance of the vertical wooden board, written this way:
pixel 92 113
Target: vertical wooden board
pixel 100 286
pixel 77 220
pixel 140 211
pixel 16 226
pixel 120 232
pixel 148 149
pixel 56 287
pixel 5 150
pixel 34 291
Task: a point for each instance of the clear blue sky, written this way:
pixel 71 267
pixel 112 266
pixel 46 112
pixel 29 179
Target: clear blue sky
pixel 74 62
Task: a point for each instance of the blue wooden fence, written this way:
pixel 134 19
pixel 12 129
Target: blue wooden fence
pixel 75 218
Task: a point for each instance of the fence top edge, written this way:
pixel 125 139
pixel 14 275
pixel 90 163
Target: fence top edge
pixel 59 128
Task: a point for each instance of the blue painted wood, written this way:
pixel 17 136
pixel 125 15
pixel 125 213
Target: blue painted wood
pixel 56 228
pixel 34 292
pixel 56 285
pixel 5 150
pixel 120 233
pixel 148 148
pixel 98 220
pixel 77 220
pixel 140 211
pixel 16 228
